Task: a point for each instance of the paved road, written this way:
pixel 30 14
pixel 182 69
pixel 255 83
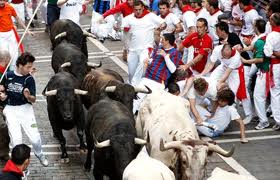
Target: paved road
pixel 259 157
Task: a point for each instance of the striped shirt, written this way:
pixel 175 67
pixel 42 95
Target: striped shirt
pixel 158 70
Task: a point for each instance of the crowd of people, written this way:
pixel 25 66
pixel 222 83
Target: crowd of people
pixel 215 53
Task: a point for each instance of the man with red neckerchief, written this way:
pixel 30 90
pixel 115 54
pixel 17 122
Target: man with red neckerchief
pixel 202 43
pixel 140 25
pixel 272 50
pixel 199 8
pixel 212 6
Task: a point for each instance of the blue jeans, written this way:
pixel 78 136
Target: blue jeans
pixel 53 13
pixel 208 132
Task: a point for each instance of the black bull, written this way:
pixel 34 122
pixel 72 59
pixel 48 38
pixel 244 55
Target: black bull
pixel 111 123
pixel 65 108
pixel 67 30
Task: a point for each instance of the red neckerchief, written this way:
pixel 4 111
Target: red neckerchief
pixel 233 52
pixel 11 167
pixel 196 10
pixel 163 17
pixel 276 28
pixel 263 38
pixel 215 11
pixel 2 69
pixel 248 8
pixel 145 12
pixel 187 8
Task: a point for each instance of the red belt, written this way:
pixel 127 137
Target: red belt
pixel 272 62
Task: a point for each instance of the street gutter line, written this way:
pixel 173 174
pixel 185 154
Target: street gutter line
pixel 249 138
pixel 248 131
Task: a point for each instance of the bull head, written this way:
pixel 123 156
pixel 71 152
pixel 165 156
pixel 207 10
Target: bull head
pixel 211 147
pixel 54 92
pixel 63 34
pixel 106 143
pixel 94 65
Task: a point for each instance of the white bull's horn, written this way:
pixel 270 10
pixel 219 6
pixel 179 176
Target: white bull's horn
pixel 63 34
pixel 145 90
pixel 94 65
pixel 66 64
pixel 102 144
pixel 110 89
pixel 88 34
pixel 51 92
pixel 221 151
pixel 80 92
pixel 169 145
pixel 140 141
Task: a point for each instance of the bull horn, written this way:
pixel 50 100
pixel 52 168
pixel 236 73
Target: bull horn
pixel 80 92
pixel 66 64
pixel 103 144
pixel 145 90
pixel 63 34
pixel 139 141
pixel 50 93
pixel 169 145
pixel 110 89
pixel 94 65
pixel 221 151
pixel 85 33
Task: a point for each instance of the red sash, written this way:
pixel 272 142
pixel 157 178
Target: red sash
pixel 18 39
pixel 241 91
pixel 248 8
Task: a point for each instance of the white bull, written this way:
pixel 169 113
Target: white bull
pixel 145 167
pixel 165 117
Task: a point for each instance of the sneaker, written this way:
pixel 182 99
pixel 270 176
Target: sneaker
pixel 247 119
pixel 262 125
pixel 43 160
pixel 276 127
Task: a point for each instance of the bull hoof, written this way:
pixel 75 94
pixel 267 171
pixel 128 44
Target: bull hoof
pixel 64 160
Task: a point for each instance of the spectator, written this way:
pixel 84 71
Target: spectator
pixel 19 162
pixel 20 92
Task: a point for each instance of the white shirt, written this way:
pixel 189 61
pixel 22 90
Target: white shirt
pixel 71 10
pixel 232 63
pixel 189 20
pixel 212 21
pixel 225 5
pixel 211 92
pixel 249 19
pixel 268 28
pixel 236 13
pixel 272 43
pixel 171 20
pixel 203 13
pixel 141 30
pixel 223 116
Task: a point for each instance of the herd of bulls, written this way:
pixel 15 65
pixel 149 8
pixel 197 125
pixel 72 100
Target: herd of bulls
pixel 171 140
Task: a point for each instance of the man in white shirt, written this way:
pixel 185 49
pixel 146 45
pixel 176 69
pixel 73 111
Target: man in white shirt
pixel 272 50
pixel 140 25
pixel 272 7
pixel 214 124
pixel 70 9
pixel 212 6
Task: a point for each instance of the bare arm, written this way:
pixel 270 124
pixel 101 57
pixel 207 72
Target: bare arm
pixel 194 111
pixel 23 25
pixel 252 61
pixel 224 77
pixel 193 62
pixel 276 53
pixel 208 68
pixel 179 28
pixel 30 98
pixel 61 2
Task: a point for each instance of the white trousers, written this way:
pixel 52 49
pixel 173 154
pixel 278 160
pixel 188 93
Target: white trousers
pixel 135 61
pixel 260 96
pixel 22 116
pixel 275 93
pixel 102 30
pixel 19 8
pixel 153 85
pixel 246 103
pixel 8 42
pixel 233 79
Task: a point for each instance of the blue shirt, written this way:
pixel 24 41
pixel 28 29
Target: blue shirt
pixel 15 84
